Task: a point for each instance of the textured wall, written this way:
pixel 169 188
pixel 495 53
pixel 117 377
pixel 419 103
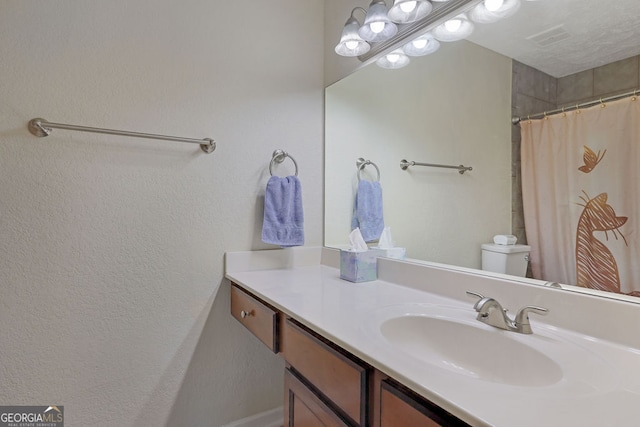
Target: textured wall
pixel 111 250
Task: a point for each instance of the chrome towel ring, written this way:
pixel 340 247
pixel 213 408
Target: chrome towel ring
pixel 278 157
pixel 362 163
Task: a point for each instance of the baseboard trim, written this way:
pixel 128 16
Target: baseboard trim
pixel 271 418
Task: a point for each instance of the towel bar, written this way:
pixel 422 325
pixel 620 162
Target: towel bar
pixel 41 128
pixel 404 164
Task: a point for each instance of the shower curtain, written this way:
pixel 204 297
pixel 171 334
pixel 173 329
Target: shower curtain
pixel 581 195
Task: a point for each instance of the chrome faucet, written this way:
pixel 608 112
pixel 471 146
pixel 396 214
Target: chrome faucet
pixel 491 312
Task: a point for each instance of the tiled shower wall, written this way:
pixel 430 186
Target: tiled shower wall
pixel 607 80
pixel 534 92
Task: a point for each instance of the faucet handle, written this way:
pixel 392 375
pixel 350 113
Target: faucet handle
pixel 522 318
pixel 477 295
pixel 533 309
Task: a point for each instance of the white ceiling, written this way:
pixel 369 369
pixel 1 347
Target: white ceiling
pixel 599 32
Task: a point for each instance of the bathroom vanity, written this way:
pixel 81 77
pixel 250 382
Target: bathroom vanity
pixel 407 348
pixel 324 383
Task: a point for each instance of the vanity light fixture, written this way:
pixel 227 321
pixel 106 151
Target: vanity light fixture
pixel 405 11
pixel 394 60
pixel 351 44
pixel 492 5
pixel 377 26
pixel 423 45
pixel 454 29
pixel 490 11
pixel 413 27
pixel 379 35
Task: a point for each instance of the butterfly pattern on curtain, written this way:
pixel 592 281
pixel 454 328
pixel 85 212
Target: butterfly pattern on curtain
pixel 590 159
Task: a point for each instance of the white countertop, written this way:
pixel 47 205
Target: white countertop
pixel 600 389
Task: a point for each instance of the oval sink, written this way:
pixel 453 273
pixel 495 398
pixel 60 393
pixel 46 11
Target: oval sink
pixel 477 351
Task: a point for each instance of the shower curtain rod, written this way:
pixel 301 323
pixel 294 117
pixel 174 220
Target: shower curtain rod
pixel 42 128
pixel 515 120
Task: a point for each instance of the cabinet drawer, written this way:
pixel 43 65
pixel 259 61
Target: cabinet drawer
pixel 340 378
pixel 400 407
pixel 256 316
pixel 302 407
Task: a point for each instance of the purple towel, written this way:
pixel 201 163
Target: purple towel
pixel 367 210
pixel 283 218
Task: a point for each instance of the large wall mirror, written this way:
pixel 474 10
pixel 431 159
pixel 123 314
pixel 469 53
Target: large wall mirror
pixel 454 107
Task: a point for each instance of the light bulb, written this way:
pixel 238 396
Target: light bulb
pixel 453 25
pixel 377 27
pixel 393 57
pixel 408 6
pixel 420 43
pixel 493 5
pixel 394 60
pixel 351 45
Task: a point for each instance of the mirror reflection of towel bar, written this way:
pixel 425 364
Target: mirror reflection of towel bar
pixel 404 164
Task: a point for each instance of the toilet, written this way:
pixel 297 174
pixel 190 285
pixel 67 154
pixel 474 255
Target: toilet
pixel 506 259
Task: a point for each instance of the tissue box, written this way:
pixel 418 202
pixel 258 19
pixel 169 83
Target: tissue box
pixel 359 266
pixel 505 239
pixel 395 253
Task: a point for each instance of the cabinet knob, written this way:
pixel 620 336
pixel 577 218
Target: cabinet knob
pixel 244 314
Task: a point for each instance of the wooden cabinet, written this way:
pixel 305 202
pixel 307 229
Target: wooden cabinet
pixel 304 408
pixel 327 386
pixel 257 316
pixel 400 407
pixel 336 374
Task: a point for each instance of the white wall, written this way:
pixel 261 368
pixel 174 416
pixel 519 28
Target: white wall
pixel 113 301
pixel 452 107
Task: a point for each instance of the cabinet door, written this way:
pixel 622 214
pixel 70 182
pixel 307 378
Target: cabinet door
pixel 336 374
pixel 401 408
pixel 303 408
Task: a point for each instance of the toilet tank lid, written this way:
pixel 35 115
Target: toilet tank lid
pixel 505 249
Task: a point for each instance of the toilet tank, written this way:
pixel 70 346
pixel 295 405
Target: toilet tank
pixel 506 259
